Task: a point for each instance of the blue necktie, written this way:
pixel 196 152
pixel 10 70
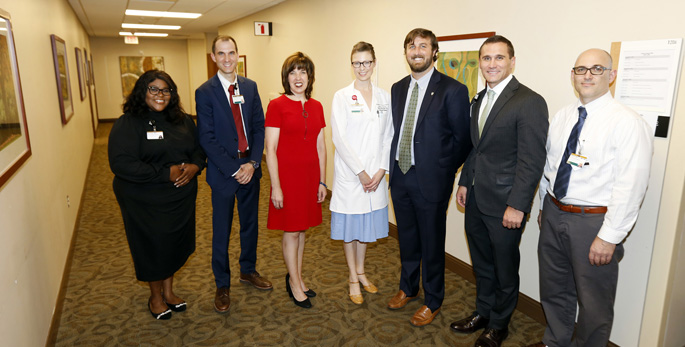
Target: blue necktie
pixel 564 172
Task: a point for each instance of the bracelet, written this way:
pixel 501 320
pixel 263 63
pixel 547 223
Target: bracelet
pixel 323 184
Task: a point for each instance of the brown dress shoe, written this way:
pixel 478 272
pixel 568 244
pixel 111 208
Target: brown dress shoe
pixel 470 324
pixel 400 300
pixel 256 280
pixel 492 337
pixel 423 316
pixel 222 300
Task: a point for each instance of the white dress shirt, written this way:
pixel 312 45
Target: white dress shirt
pixel 498 91
pixel 423 85
pixel 618 145
pixel 362 135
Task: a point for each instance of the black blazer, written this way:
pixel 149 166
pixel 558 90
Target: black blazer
pixel 508 159
pixel 441 138
pixel 217 132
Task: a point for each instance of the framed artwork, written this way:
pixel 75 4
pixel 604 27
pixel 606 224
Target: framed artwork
pixel 80 68
pixel 133 67
pixel 15 147
pixel 458 58
pixel 59 55
pixel 241 69
pixel 87 65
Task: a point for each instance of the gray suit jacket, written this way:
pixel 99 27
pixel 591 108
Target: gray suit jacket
pixel 507 160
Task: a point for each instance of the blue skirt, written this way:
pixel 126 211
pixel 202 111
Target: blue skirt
pixel 367 227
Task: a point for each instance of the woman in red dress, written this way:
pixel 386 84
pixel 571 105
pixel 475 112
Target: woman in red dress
pixel 296 159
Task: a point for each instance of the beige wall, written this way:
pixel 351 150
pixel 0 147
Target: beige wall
pixel 37 224
pixel 547 41
pixel 106 53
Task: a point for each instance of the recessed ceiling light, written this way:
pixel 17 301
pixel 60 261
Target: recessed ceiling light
pixel 126 33
pixel 162 14
pixel 150 26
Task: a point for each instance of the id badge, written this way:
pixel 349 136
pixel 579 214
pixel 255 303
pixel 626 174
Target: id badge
pixel 155 135
pixel 238 99
pixel 577 160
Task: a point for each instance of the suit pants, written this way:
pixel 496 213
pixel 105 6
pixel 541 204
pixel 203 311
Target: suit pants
pixel 223 201
pixel 567 278
pixel 421 231
pixel 495 256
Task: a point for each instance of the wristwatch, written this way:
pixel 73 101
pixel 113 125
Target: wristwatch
pixel 254 164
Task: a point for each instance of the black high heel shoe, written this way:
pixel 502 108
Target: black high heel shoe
pixel 310 293
pixel 306 303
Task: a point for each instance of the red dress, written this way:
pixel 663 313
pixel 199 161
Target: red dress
pixel 298 163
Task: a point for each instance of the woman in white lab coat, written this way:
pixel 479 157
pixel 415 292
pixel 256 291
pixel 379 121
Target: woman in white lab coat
pixel 362 129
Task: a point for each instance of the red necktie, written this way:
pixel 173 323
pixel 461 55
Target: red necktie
pixel 237 117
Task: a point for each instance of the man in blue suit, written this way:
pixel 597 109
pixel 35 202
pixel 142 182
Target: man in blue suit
pixel 230 122
pixel 431 118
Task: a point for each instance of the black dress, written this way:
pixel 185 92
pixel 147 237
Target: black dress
pixel 158 217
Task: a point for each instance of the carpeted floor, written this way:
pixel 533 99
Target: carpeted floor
pixel 104 305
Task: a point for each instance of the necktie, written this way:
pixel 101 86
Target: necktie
pixel 564 172
pixel 408 132
pixel 238 118
pixel 486 110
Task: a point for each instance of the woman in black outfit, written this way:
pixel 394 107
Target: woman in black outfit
pixel 155 157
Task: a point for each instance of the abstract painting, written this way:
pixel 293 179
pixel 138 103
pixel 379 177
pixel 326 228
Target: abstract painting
pixel 133 67
pixel 458 58
pixel 59 54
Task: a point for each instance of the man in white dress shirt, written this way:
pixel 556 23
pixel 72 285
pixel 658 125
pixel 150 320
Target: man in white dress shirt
pixel 598 160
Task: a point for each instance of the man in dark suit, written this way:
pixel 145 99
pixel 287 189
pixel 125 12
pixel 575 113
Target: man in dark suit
pixel 431 141
pixel 497 184
pixel 230 123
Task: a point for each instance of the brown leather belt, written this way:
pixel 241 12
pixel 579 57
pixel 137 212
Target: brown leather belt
pixel 579 209
pixel 245 154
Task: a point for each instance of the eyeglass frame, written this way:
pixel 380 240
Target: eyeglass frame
pixel 358 64
pixel 151 90
pixel 591 69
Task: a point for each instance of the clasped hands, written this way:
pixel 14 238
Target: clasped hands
pixel 370 184
pixel 244 174
pixel 182 173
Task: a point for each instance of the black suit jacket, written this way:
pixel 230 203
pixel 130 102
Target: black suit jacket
pixel 508 158
pixel 217 131
pixel 441 138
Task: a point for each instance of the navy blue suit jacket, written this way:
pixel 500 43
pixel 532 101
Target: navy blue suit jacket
pixel 217 131
pixel 441 138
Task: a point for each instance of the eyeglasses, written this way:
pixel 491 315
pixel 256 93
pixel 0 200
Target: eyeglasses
pixel 357 64
pixel 595 70
pixel 305 115
pixel 155 91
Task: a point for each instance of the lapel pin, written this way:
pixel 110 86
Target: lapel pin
pixel 432 93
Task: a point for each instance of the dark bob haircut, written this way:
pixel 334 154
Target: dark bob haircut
pixel 498 39
pixel 135 102
pixel 301 61
pixel 423 33
pixel 362 46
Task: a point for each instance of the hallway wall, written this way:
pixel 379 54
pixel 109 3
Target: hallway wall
pixel 37 222
pixel 547 42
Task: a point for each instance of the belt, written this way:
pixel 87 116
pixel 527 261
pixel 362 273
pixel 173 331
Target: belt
pixel 579 209
pixel 245 154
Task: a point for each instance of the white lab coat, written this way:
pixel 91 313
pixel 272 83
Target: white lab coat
pixel 362 136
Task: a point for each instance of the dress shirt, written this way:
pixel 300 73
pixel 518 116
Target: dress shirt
pixel 225 84
pixel 423 85
pixel 618 145
pixel 498 91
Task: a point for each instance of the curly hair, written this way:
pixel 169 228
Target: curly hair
pixel 135 102
pixel 300 61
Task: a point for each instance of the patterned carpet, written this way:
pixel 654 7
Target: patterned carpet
pixel 104 305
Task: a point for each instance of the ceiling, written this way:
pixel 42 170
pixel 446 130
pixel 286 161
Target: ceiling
pixel 104 17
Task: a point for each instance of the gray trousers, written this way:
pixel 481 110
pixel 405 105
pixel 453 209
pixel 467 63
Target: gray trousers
pixel 567 278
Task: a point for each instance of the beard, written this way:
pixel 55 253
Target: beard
pixel 422 67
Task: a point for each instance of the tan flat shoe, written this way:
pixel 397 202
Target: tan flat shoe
pixel 356 298
pixel 369 288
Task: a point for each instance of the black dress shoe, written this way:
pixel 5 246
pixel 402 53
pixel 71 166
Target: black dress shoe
pixel 310 293
pixel 470 324
pixel 306 303
pixel 177 307
pixel 492 337
pixel 166 315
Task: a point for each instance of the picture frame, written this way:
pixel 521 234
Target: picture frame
pixel 59 55
pixel 458 58
pixel 80 69
pixel 87 65
pixel 15 146
pixel 132 67
pixel 241 68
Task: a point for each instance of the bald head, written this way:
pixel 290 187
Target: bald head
pixel 591 87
